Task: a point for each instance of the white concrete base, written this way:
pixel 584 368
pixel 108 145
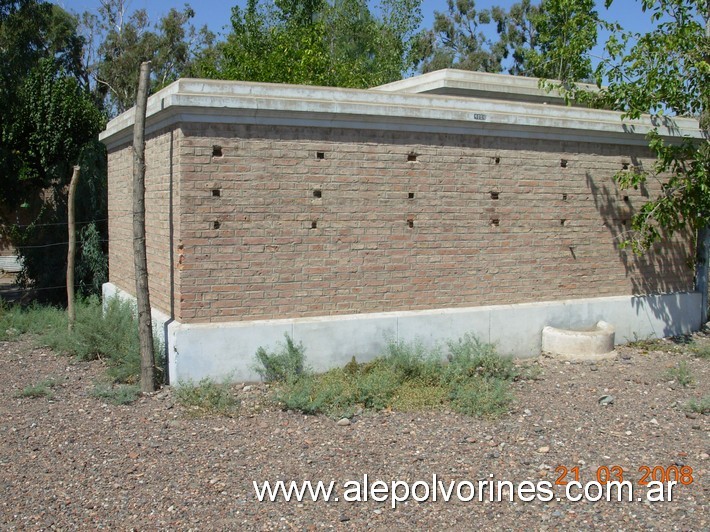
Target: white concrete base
pixel 596 343
pixel 226 350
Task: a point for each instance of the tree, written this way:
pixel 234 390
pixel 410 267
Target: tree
pixel 665 72
pixel 48 124
pixel 518 34
pixel 120 42
pixel 566 31
pixel 457 40
pixel 316 43
pixel 53 126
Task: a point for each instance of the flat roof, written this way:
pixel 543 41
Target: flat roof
pixel 467 83
pixel 407 105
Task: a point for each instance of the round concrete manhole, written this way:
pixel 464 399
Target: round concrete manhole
pixel 596 343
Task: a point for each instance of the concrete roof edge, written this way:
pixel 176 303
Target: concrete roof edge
pixel 198 96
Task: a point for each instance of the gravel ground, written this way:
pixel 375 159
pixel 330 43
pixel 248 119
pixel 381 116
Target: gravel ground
pixel 73 462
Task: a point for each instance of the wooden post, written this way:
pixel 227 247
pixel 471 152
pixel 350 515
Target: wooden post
pixel 71 253
pixel 145 325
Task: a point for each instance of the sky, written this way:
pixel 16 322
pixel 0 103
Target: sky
pixel 216 13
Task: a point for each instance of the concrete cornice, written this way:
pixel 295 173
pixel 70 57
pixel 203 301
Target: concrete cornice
pixel 453 82
pixel 211 101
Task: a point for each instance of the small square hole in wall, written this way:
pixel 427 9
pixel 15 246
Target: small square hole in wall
pixel 410 222
pixel 317 193
pixel 497 160
pixel 320 155
pixel 410 195
pixel 626 199
pixel 495 222
pixel 563 221
pixel 216 192
pixel 495 195
pixel 216 151
pixel 412 157
pixel 314 224
pixel 564 196
pixel 563 163
pixel 216 224
pixel 624 166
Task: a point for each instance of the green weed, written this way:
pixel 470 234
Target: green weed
pixel 109 334
pixel 41 389
pixel 207 397
pixel 407 376
pixel 700 350
pixel 284 365
pixel 700 406
pixel 117 394
pixel 680 373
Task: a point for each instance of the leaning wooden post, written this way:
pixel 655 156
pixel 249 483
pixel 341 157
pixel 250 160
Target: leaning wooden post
pixel 71 253
pixel 140 261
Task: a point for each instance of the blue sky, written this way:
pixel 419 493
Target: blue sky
pixel 215 13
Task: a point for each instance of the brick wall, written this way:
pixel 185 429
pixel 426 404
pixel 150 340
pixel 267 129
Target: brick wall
pixel 290 222
pixel 157 201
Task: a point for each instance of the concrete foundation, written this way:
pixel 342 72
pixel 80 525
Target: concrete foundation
pixel 219 350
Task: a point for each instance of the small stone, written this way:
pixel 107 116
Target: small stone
pixel 344 422
pixel 704 456
pixel 544 449
pixel 605 400
pixel 344 518
pixel 654 421
pixel 247 388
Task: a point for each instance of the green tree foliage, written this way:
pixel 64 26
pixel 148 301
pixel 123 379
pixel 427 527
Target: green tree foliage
pixel 49 123
pixel 120 42
pixel 665 72
pixel 566 31
pixel 549 40
pixel 55 125
pixel 316 43
pixel 458 41
pixel 517 32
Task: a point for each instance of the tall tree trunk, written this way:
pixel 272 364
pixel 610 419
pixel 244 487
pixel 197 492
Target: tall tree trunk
pixel 145 326
pixel 71 253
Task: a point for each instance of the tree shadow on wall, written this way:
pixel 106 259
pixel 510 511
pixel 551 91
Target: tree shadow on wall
pixel 666 268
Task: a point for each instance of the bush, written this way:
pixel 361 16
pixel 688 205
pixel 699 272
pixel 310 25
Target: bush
pixel 207 397
pixel 285 365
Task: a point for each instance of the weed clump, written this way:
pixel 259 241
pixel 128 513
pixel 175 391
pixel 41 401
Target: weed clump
pixel 41 389
pixel 207 397
pixel 681 374
pixel 109 334
pixel 407 376
pixel 287 364
pixel 700 406
pixel 117 394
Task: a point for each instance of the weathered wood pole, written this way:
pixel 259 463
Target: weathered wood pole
pixel 140 261
pixel 71 252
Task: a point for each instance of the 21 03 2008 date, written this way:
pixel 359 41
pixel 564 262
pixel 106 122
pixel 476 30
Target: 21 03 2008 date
pixel 604 474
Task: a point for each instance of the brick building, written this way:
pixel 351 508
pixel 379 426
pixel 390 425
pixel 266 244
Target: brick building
pixel 448 203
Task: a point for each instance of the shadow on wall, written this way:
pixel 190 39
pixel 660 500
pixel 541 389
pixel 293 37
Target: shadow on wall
pixel 666 267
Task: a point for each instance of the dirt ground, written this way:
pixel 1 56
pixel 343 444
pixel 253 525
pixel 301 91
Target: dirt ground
pixel 73 462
